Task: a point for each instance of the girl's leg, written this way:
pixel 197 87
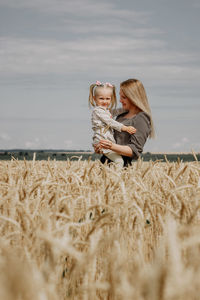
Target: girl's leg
pixel 116 158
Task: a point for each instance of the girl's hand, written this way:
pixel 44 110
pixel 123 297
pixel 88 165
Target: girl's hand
pixel 129 129
pixel 106 144
pixel 97 148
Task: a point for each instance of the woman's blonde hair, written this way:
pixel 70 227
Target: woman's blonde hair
pixel 94 88
pixel 134 90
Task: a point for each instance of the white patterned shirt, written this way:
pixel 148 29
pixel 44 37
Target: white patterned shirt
pixel 103 125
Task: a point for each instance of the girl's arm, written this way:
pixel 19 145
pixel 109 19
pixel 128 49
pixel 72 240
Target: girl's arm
pixel 104 116
pixel 107 120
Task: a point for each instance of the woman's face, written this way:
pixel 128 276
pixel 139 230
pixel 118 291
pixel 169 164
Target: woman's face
pixel 126 103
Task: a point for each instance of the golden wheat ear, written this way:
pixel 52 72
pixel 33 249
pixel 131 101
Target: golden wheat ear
pixel 78 229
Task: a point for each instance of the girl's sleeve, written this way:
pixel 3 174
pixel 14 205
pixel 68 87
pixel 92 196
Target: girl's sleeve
pixel 107 120
pixel 137 140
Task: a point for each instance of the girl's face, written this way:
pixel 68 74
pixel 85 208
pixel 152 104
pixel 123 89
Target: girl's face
pixel 103 97
pixel 126 103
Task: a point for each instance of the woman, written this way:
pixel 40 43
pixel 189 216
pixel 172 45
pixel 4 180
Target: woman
pixel 136 113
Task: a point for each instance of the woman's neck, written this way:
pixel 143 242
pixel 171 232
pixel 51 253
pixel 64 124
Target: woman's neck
pixel 132 112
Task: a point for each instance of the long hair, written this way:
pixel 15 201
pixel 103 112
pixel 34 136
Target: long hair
pixel 94 88
pixel 134 90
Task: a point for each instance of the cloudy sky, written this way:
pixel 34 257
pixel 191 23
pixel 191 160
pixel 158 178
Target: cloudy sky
pixel 52 50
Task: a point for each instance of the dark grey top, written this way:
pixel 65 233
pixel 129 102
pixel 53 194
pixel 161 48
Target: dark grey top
pixel 136 141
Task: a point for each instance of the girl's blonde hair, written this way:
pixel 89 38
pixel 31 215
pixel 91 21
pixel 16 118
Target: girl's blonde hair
pixel 94 90
pixel 134 90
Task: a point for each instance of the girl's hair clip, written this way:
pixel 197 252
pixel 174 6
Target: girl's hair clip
pixel 98 83
pixel 109 84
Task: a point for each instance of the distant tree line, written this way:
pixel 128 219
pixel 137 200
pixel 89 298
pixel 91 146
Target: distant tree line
pixel 73 155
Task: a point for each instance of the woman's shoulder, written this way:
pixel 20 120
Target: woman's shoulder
pixel 143 122
pixel 142 115
pixel 116 112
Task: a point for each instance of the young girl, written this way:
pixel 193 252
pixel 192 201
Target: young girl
pixel 103 97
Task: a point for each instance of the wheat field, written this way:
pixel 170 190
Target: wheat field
pixel 82 230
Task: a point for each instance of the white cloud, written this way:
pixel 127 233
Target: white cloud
pixel 179 145
pixel 81 57
pixel 196 3
pixel 196 146
pixel 29 145
pixel 185 140
pixel 34 144
pixel 4 137
pixel 79 8
pixel 102 37
pixel 76 40
pixel 106 28
pixel 68 144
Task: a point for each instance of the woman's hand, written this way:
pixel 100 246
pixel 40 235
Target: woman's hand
pixel 106 144
pixel 98 148
pixel 120 149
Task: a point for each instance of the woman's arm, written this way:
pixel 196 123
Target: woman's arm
pixel 120 149
pixel 136 142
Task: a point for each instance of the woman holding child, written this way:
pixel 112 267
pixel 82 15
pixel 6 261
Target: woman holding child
pixel 135 112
